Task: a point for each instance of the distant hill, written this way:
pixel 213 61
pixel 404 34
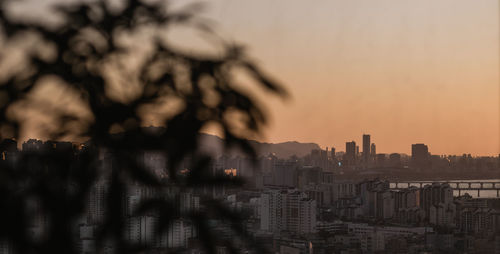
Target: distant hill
pixel 213 145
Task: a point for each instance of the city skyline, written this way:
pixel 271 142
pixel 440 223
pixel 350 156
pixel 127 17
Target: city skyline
pixel 333 126
pixel 419 73
pixel 342 149
pixel 323 145
pixel 406 72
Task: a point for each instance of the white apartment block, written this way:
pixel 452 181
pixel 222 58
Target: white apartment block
pixel 290 210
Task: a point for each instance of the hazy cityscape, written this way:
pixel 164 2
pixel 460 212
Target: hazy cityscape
pixel 321 202
pixel 249 127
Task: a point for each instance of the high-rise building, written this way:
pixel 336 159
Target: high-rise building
pixel 323 163
pixel 287 210
pixel 271 206
pixel 434 200
pixel 285 174
pixel 179 232
pixel 332 162
pixel 420 157
pixel 188 202
pixel 96 202
pixel 350 153
pixel 141 230
pixel 373 150
pixel 307 216
pixel 366 149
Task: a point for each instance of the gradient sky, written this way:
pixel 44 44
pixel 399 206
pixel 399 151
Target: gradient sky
pixel 404 71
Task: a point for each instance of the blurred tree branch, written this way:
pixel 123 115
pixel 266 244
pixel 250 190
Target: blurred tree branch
pixel 87 53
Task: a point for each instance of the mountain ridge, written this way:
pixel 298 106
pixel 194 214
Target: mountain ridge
pixel 214 145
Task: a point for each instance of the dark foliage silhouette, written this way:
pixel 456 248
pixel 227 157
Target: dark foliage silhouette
pixel 51 182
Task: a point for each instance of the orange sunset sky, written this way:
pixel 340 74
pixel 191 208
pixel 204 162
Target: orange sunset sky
pixel 404 71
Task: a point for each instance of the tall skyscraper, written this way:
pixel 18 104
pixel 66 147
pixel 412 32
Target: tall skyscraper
pixel 366 148
pixel 373 154
pixel 350 153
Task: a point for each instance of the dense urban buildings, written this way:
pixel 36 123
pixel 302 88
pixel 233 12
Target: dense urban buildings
pixel 315 203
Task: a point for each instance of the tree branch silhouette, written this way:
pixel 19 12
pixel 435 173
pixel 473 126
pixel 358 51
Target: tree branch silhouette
pixel 84 52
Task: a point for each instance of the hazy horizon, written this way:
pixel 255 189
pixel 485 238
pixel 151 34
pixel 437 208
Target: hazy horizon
pixel 237 126
pixel 337 149
pixel 405 72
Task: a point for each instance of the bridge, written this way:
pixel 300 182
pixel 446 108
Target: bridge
pixel 455 185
